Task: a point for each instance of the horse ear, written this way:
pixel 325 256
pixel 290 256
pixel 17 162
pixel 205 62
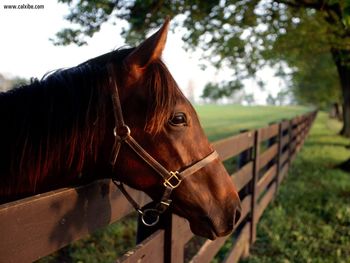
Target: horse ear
pixel 148 51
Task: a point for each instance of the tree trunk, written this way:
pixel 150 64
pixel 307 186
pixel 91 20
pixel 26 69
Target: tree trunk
pixel 339 111
pixel 346 114
pixel 336 111
pixel 342 61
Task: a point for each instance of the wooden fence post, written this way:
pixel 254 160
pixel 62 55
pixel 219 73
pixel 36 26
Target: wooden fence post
pixel 279 153
pixel 177 240
pixel 271 142
pixel 311 119
pixel 168 227
pixel 290 149
pixel 243 158
pixel 254 187
pixel 299 134
pixel 302 131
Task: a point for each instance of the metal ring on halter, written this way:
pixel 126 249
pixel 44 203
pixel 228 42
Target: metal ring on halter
pixel 122 132
pixel 149 212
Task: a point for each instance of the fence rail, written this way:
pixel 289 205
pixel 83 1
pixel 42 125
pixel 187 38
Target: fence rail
pixel 37 226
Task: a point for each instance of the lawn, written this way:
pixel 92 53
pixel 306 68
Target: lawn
pixel 218 122
pixel 309 221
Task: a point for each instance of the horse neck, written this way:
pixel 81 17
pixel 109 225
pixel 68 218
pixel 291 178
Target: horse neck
pixel 51 132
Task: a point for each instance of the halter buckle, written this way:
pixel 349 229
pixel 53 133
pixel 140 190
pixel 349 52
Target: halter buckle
pixel 173 181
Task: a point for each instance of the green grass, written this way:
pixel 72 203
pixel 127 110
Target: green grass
pixel 218 122
pixel 309 221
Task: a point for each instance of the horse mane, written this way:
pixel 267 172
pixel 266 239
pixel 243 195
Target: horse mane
pixel 55 126
pixel 52 127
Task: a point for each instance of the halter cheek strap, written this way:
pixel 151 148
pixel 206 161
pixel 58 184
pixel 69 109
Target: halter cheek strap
pixel 171 179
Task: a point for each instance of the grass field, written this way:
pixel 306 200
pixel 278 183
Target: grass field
pixel 218 122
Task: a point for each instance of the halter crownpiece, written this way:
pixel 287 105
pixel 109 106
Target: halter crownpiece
pixel 172 179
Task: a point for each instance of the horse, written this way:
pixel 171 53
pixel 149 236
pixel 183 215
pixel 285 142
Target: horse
pixel 121 116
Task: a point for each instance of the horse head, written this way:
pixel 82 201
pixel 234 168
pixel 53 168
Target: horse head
pixel 165 125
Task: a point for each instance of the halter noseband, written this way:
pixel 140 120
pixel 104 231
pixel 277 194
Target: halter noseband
pixel 122 134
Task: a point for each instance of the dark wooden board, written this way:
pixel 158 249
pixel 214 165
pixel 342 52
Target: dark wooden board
pixel 268 155
pixel 37 226
pixel 266 199
pixel 151 250
pixel 243 176
pixel 234 145
pixel 266 179
pixel 268 132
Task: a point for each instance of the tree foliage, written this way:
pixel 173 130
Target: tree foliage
pixel 317 83
pixel 242 35
pixel 280 99
pixel 313 77
pixel 333 35
pixel 233 31
pixel 223 29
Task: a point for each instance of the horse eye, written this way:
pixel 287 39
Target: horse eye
pixel 178 119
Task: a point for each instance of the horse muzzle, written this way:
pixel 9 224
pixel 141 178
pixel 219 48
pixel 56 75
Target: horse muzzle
pixel 218 223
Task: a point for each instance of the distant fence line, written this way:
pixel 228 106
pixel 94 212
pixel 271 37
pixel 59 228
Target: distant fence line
pixel 37 226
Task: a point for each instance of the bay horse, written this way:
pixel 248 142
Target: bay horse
pixel 122 116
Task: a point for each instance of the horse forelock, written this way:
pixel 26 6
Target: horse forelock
pixel 163 95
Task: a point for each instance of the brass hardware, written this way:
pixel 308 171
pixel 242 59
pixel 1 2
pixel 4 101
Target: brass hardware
pixel 173 181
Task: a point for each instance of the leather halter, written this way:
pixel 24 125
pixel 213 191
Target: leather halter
pixel 172 179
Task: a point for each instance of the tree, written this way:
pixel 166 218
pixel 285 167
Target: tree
pixel 241 34
pixel 317 83
pixel 312 76
pixel 270 100
pixel 211 92
pixel 333 20
pixel 249 99
pixel 282 97
pixel 214 92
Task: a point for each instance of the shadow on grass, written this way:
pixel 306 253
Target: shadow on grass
pixel 330 144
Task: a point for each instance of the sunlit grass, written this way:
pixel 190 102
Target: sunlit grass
pixel 220 121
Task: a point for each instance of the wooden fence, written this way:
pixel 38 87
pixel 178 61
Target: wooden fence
pixel 34 227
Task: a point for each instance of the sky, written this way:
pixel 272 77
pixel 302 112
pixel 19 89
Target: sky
pixel 26 51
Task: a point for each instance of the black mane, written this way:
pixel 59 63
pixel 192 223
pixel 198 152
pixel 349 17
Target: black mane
pixel 54 126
